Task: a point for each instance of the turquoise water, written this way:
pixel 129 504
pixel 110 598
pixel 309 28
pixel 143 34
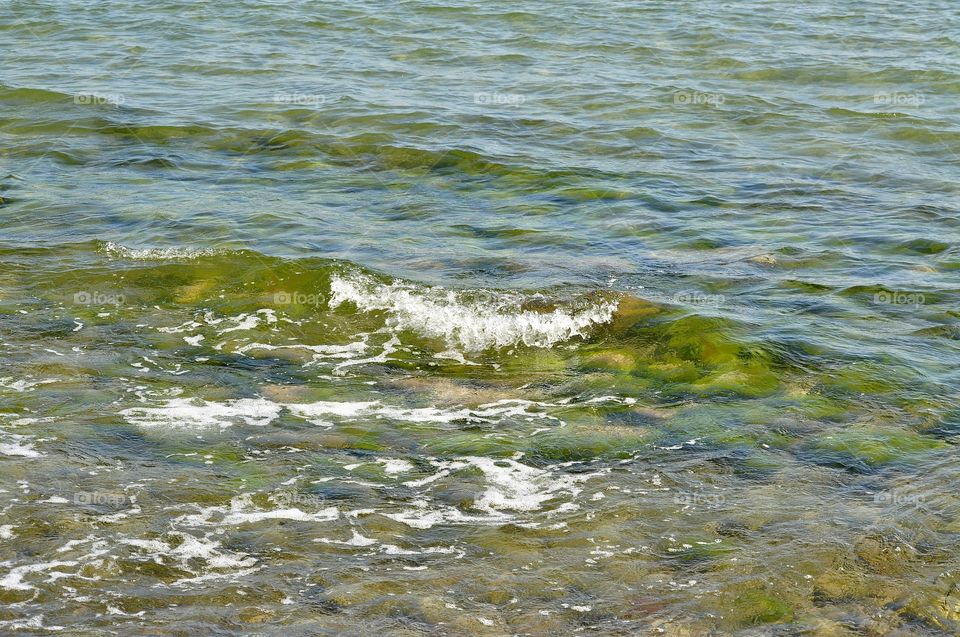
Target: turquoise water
pixel 501 318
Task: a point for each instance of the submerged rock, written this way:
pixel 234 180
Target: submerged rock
pixel 760 606
pixel 610 360
pixel 588 443
pixel 871 446
pixel 631 310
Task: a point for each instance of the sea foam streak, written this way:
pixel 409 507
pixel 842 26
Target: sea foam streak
pixel 183 412
pixel 155 254
pixel 186 413
pixel 494 320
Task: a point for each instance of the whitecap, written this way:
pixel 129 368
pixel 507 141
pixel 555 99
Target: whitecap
pixel 474 320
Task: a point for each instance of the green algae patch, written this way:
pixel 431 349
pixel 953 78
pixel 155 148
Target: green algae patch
pixel 751 380
pixel 863 378
pixel 609 361
pixel 693 355
pixel 531 364
pixel 871 446
pixel 818 407
pixel 587 443
pixel 632 310
pixel 842 585
pixel 935 604
pixel 472 444
pixel 883 554
pixel 760 607
pixel 605 384
pixel 923 246
pixel 674 372
pixel 700 339
pixel 361 438
pixel 726 427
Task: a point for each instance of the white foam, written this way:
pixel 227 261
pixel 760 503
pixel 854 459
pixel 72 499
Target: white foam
pixel 313 411
pixel 425 515
pixel 243 511
pixel 349 350
pixel 19 447
pixel 246 321
pixel 518 487
pixel 198 413
pixel 13 580
pixel 184 412
pixel 34 623
pixel 395 465
pixel 23 384
pixel 183 327
pixel 356 540
pixel 374 409
pixel 389 347
pixel 12 444
pixel 393 549
pixel 158 254
pixel 473 320
pixel 512 488
pixel 196 555
pixel 244 517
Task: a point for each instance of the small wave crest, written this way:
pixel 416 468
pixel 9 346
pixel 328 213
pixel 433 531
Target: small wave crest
pixel 471 319
pixel 155 254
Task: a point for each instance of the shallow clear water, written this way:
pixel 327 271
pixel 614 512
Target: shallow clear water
pixel 479 318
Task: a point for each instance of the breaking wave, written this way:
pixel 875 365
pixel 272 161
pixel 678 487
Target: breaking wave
pixel 473 320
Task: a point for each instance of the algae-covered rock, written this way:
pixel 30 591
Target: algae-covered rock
pixel 820 407
pixel 606 383
pixel 539 622
pixel 195 291
pixel 840 585
pixel 759 606
pixel 394 604
pixel 726 426
pixel 883 555
pixel 699 355
pixel 870 446
pixel 446 392
pixel 752 380
pixel 631 310
pixel 695 551
pixel 587 443
pixel 459 495
pixel 758 466
pixel 468 443
pixel 610 360
pixel 701 339
pixel 936 604
pixel 674 371
pixel 531 364
pixel 863 379
pixel 253 615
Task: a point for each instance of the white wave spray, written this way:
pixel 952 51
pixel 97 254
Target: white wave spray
pixel 473 320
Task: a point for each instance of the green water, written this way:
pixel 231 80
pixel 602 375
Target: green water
pixel 479 318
